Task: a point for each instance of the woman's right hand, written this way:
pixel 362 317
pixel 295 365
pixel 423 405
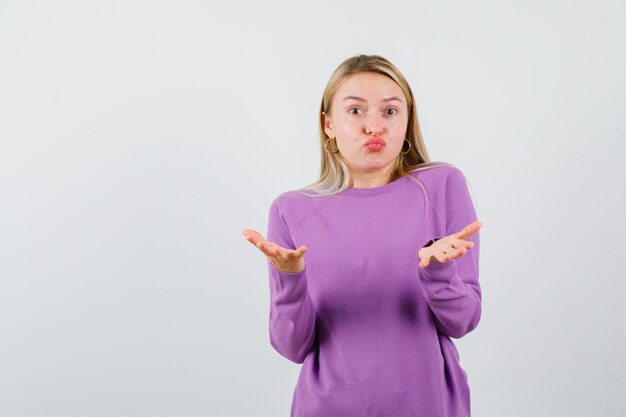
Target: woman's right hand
pixel 286 260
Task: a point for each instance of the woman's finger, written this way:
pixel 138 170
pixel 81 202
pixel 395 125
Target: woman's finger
pixel 460 243
pixel 427 254
pixel 267 247
pixel 253 236
pixel 270 249
pixel 424 262
pixel 468 230
pixel 251 233
pixel 276 251
pixel 459 248
pixel 296 253
pixel 257 239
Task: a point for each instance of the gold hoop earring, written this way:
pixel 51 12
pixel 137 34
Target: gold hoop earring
pixel 336 147
pixel 407 151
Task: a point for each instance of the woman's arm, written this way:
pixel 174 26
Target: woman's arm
pixel 451 288
pixel 292 314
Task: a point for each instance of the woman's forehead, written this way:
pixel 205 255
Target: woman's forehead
pixel 369 87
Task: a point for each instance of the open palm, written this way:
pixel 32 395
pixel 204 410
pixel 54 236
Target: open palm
pixel 449 247
pixel 286 260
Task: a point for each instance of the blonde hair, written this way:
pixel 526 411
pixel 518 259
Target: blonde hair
pixel 335 173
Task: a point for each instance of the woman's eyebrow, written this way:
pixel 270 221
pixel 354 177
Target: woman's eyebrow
pixel 362 99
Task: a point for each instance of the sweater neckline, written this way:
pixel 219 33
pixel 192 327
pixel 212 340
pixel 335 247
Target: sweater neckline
pixel 381 189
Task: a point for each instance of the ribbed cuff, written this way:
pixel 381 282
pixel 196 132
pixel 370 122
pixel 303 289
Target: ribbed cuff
pixel 288 274
pixel 442 271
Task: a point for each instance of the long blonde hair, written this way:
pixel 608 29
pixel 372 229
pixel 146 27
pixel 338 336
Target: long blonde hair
pixel 334 173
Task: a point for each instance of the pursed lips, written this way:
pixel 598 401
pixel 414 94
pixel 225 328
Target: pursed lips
pixel 377 141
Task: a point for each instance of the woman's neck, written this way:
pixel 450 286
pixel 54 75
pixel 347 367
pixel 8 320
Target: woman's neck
pixel 369 179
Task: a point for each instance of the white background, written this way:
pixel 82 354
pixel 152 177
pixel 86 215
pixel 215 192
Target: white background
pixel 138 138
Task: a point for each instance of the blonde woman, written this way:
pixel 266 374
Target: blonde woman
pixel 374 267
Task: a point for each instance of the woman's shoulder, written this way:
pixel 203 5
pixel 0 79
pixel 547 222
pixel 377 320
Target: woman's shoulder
pixel 437 172
pixel 444 183
pixel 297 205
pixel 297 196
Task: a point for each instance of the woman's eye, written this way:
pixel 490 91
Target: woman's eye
pixel 394 111
pixel 356 110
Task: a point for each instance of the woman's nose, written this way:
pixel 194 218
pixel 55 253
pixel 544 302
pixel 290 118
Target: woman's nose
pixel 374 126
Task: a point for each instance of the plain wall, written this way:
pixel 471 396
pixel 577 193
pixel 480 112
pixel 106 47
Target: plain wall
pixel 139 138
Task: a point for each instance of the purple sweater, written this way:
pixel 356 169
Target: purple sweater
pixel 371 328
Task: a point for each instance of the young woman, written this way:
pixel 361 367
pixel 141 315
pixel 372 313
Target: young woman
pixel 390 273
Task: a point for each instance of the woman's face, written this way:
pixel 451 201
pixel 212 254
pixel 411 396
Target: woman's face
pixel 368 106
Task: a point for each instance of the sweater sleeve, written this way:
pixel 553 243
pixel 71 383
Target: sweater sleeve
pixel 292 314
pixel 451 289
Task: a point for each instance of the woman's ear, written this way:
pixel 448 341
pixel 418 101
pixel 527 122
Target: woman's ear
pixel 328 126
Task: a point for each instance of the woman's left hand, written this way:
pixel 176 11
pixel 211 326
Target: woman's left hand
pixel 449 247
